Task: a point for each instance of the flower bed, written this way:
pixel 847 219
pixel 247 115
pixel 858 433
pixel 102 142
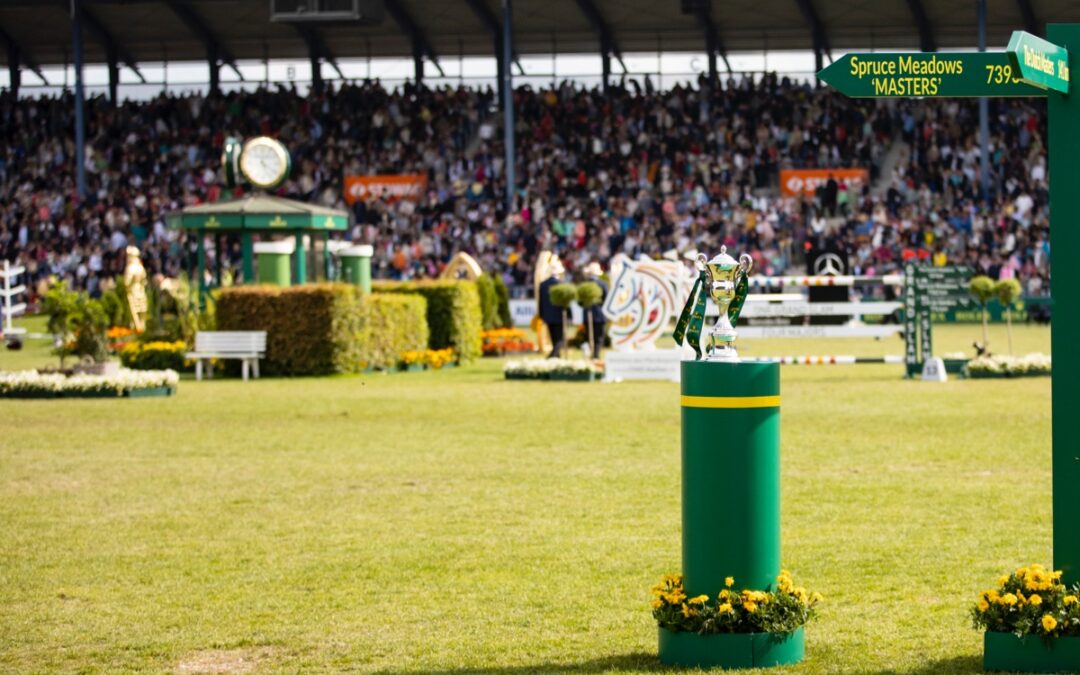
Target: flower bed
pixel 155 356
pixel 422 359
pixel 1032 365
pixel 31 384
pixel 747 611
pixel 502 341
pixel 552 369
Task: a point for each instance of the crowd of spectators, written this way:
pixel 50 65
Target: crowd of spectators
pixel 629 170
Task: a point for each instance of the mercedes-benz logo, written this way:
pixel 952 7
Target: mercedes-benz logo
pixel 829 265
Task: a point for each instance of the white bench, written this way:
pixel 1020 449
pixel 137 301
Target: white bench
pixel 248 346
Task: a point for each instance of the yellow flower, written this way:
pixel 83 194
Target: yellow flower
pixel 698 600
pixel 658 603
pixel 1035 600
pixel 750 606
pixel 992 596
pixel 1003 579
pixel 687 612
pixel 816 597
pixel 1009 599
pixel 1070 600
pixel 1049 623
pixel 725 608
pixel 1020 597
pixel 725 594
pixel 983 605
pixel 729 581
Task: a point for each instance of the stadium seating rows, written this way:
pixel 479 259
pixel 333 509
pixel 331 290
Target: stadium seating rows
pixel 629 170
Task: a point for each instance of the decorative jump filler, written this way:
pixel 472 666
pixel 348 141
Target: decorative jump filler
pixel 735 607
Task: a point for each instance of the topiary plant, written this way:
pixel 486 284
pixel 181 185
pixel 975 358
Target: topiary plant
pixel 1007 291
pixel 589 294
pixel 982 289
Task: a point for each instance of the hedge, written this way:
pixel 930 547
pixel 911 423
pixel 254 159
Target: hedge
pixel 453 312
pixel 310 330
pixel 489 302
pixel 394 324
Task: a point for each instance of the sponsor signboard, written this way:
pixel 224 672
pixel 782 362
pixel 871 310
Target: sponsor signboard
pixel 795 182
pixel 391 187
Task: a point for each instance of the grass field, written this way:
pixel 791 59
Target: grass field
pixel 454 522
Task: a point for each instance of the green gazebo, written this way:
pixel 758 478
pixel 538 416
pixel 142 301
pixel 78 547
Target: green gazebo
pixel 262 214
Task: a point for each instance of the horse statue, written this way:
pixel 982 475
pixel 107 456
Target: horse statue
pixel 645 298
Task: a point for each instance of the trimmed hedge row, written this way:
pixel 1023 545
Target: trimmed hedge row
pixel 453 312
pixel 317 329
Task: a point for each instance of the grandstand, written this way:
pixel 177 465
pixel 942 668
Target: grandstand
pixel 630 168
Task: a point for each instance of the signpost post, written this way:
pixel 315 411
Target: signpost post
pixel 1030 67
pixel 930 290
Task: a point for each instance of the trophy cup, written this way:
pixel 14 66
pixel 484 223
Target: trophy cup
pixel 725 276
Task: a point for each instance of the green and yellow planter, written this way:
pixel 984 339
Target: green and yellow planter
pixel 730 505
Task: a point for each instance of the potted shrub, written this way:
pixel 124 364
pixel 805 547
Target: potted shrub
pixel 1031 622
pixel 982 289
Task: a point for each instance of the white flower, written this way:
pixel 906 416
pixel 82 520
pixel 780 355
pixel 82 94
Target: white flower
pixel 1031 364
pixel 32 382
pixel 537 368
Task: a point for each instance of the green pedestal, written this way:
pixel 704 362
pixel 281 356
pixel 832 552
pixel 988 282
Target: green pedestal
pixel 730 474
pixel 731 505
pixel 274 262
pixel 1005 651
pixel 356 266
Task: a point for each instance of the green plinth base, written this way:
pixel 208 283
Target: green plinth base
pixel 1005 651
pixel 731 650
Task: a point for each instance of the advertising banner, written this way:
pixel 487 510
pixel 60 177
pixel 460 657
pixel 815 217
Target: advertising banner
pixel 794 182
pixel 391 187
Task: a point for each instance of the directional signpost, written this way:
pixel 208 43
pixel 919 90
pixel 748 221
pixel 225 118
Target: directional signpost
pixel 900 75
pixel 1030 67
pixel 1038 62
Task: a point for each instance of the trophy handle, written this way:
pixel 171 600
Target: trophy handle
pixel 700 262
pixel 746 263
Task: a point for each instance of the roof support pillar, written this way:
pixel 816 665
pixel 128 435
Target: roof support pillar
pixel 80 115
pixel 215 69
pixel 14 72
pixel 316 72
pixel 605 63
pixel 418 65
pixel 114 76
pixel 508 106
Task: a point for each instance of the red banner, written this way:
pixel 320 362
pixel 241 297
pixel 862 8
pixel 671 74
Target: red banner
pixel 794 182
pixel 389 187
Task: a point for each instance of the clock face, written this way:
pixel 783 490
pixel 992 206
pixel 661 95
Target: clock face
pixel 265 162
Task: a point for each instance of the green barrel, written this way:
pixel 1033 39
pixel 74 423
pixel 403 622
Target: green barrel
pixel 356 265
pixel 730 475
pixel 274 261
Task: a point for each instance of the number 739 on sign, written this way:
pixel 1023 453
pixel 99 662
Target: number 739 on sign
pixel 996 74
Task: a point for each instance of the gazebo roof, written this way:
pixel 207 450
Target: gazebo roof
pixel 259 212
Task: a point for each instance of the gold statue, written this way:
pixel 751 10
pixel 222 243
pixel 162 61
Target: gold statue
pixel 135 283
pixel 462 266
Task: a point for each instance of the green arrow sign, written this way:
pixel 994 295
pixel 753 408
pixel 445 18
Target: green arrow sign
pixel 896 75
pixel 1040 63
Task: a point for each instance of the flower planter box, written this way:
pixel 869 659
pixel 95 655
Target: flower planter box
pixel 1030 654
pixel 956 366
pixel 412 368
pixel 731 650
pixel 977 374
pixel 571 377
pixel 150 392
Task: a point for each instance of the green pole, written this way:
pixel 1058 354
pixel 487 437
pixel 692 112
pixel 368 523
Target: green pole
pixel 356 265
pixel 201 256
pixel 247 249
pixel 301 259
pixel 1064 135
pixel 219 254
pixel 328 263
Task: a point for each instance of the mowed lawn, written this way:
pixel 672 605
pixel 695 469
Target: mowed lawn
pixel 455 522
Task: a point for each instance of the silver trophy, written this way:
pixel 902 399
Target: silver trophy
pixel 724 274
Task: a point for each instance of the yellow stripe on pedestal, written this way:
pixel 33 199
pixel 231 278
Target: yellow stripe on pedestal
pixel 731 401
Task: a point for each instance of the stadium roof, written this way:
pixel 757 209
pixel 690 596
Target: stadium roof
pixel 38 32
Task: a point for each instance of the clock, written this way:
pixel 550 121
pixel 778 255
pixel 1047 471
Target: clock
pixel 230 161
pixel 265 162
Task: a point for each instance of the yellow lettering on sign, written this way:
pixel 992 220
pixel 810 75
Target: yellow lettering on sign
pixel 278 221
pixel 212 221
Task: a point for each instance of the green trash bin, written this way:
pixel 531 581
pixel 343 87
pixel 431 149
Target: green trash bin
pixel 356 265
pixel 274 258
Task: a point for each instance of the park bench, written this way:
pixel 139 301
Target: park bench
pixel 247 346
